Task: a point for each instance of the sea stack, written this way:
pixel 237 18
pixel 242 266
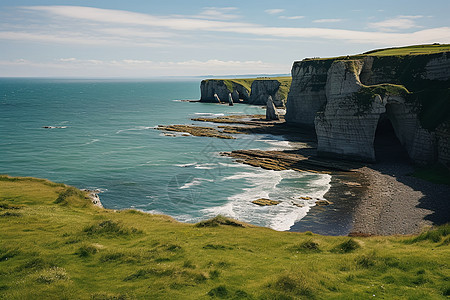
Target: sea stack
pixel 271 111
pixel 216 98
pixel 230 100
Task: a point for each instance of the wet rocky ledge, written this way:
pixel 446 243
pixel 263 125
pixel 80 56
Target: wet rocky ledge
pixel 363 199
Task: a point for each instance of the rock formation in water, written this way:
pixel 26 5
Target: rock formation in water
pixel 271 111
pixel 262 89
pixel 346 98
pixel 216 98
pixel 252 90
pixel 222 88
pixel 230 99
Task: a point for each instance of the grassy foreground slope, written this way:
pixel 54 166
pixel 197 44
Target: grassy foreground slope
pixel 54 244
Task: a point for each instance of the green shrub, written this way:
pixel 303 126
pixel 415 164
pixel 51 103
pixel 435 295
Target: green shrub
pixel 296 285
pixel 346 247
pixel 68 192
pixel 109 296
pixel 435 235
pixel 86 250
pixel 112 256
pixel 144 273
pixel 37 264
pixel 6 254
pixel 110 227
pixel 219 220
pixel 366 261
pixel 216 247
pixel 307 246
pixel 220 292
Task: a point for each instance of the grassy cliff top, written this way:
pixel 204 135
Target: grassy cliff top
pixel 247 82
pixel 400 51
pixel 411 50
pixel 55 244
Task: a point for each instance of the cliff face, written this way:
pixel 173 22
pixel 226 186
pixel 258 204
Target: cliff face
pixel 252 91
pixel 347 104
pixel 210 87
pixel 307 93
pixel 262 89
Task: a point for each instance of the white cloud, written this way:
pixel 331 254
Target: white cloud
pixel 132 67
pixel 274 11
pixel 327 20
pixel 95 26
pixel 291 17
pixel 396 24
pixel 219 13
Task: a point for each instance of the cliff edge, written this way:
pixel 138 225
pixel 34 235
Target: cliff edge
pixel 351 101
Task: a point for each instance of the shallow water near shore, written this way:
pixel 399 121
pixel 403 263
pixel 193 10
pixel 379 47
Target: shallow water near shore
pixel 100 135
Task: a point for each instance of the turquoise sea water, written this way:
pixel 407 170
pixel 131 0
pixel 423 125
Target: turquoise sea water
pixel 104 138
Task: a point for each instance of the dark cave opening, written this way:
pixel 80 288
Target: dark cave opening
pixel 386 144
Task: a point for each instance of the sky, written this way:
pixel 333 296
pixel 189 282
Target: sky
pixel 148 38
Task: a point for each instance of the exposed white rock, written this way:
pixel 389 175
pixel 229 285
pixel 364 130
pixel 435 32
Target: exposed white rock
pixel 342 129
pixel 307 93
pixel 261 89
pixel 216 98
pixel 211 87
pixel 230 100
pixel 271 111
pixel 438 68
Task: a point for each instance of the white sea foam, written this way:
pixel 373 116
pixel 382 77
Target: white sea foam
pixel 278 145
pixel 208 166
pixel 186 165
pixel 137 128
pixel 209 114
pixel 91 142
pixel 194 182
pixel 267 184
pixel 197 165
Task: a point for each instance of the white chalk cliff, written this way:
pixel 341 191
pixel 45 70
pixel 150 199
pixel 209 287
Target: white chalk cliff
pixel 344 99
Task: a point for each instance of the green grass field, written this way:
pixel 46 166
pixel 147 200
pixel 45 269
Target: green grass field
pixel 54 244
pixel 411 50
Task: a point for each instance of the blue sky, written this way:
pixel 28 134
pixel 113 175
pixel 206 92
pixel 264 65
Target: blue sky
pixel 137 38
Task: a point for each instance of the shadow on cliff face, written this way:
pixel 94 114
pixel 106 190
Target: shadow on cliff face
pixel 392 159
pixel 386 144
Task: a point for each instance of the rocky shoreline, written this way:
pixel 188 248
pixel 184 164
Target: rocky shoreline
pixel 378 199
pixel 93 196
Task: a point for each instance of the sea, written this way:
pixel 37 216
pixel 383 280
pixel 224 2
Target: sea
pixel 100 135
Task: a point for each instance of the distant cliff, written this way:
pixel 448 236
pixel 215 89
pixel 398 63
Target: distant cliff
pixel 250 90
pixel 346 98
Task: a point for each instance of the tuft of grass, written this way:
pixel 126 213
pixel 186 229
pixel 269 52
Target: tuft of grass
pixel 72 195
pixel 366 260
pixel 109 296
pixel 11 214
pixel 112 256
pixel 348 246
pixel 52 275
pixel 37 263
pixel 6 253
pixel 110 227
pixel 86 250
pixel 293 284
pixel 5 205
pixel 216 247
pixel 219 220
pixel 434 235
pixel 219 292
pixel 307 246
